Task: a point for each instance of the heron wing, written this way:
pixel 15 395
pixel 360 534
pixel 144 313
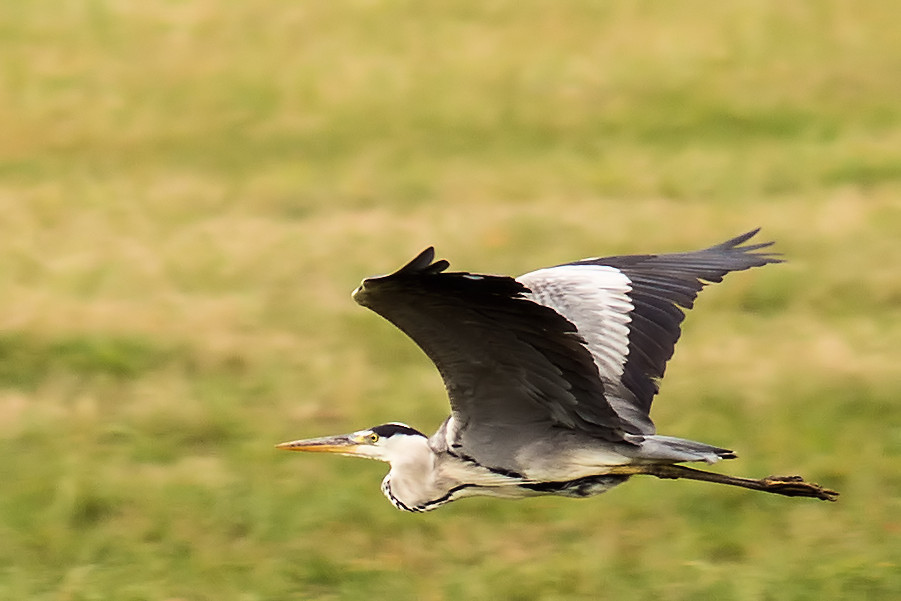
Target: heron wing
pixel 506 360
pixel 629 309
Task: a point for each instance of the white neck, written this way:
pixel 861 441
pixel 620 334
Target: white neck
pixel 413 483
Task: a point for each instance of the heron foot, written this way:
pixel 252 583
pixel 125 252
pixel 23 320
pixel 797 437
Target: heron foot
pixel 796 486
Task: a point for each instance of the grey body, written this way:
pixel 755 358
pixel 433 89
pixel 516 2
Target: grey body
pixel 550 376
pixel 530 460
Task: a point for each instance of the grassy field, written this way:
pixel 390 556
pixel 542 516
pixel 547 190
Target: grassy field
pixel 189 191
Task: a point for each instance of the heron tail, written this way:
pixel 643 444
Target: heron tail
pixel 670 448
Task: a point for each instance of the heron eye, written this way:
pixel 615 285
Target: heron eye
pixel 373 438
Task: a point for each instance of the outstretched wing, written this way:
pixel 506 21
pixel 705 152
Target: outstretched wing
pixel 581 345
pixel 506 360
pixel 628 309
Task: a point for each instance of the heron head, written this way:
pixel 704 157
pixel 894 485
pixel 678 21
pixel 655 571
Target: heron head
pixel 392 442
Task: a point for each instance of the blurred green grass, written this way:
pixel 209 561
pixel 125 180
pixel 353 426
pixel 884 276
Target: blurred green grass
pixel 190 190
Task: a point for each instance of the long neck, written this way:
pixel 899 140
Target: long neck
pixel 413 483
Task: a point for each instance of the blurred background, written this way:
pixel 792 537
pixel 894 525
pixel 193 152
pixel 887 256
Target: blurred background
pixel 189 191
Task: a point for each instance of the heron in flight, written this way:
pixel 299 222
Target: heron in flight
pixel 550 377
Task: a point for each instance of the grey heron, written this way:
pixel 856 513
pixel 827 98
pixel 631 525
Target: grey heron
pixel 550 377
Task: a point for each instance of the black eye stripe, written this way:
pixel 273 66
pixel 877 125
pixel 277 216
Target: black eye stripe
pixel 387 430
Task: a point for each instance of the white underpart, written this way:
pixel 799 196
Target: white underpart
pixel 595 298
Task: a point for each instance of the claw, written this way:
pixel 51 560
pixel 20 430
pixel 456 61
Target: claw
pixel 795 486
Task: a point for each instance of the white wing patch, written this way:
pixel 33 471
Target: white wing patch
pixel 595 298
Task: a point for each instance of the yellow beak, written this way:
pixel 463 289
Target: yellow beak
pixel 344 444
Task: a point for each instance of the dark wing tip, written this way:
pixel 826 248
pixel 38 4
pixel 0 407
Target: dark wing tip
pixel 740 239
pixel 422 264
pixel 738 244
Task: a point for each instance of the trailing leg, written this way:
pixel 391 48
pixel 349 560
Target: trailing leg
pixel 789 486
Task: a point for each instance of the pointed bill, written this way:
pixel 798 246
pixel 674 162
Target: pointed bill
pixel 345 444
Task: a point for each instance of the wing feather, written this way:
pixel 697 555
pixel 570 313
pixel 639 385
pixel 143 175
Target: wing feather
pixel 504 359
pixel 660 288
pixel 582 345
